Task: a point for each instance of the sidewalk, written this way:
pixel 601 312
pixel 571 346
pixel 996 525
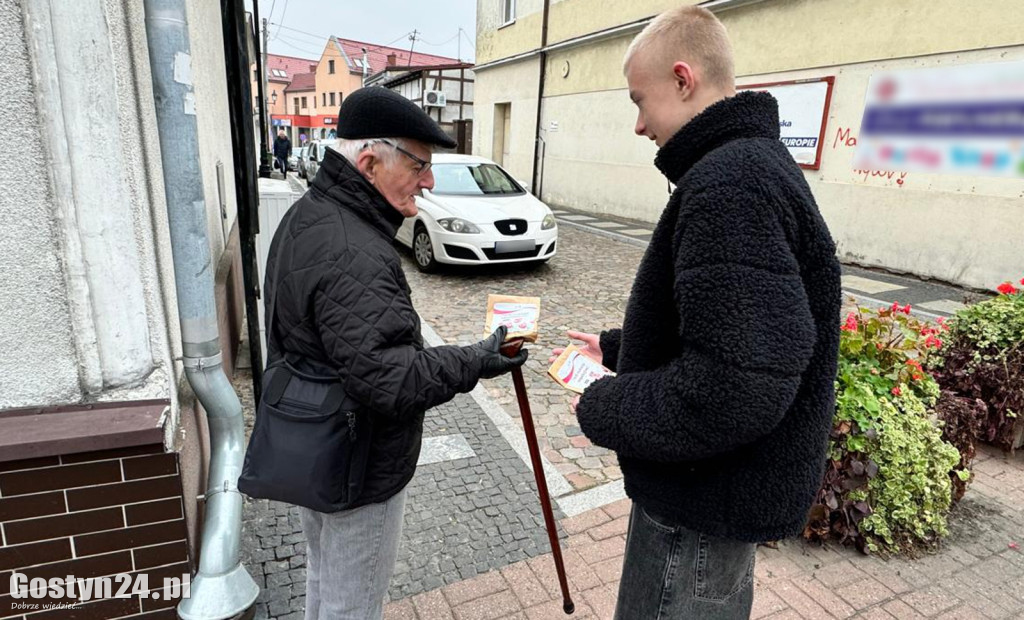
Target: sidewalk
pixel 979 572
pixel 474 547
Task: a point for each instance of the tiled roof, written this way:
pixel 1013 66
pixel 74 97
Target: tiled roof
pixel 289 65
pixel 302 82
pixel 377 55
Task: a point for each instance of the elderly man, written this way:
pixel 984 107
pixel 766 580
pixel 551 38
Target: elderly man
pixel 721 408
pixel 343 304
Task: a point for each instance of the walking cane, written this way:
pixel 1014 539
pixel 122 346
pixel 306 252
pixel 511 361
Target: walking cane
pixel 510 349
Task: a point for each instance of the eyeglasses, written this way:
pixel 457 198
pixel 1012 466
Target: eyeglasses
pixel 422 164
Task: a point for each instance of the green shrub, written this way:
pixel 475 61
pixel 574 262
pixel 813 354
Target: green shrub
pixel 887 486
pixel 985 362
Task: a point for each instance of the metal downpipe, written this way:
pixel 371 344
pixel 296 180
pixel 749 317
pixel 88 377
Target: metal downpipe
pixel 222 588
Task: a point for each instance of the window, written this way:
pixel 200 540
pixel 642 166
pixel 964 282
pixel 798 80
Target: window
pixel 508 11
pixel 296 105
pixel 332 99
pixel 255 75
pixel 325 98
pixel 303 102
pixel 330 66
pixel 473 180
pixel 340 96
pixel 279 73
pixel 359 62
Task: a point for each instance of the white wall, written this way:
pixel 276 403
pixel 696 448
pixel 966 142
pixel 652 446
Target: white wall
pixel 37 352
pixel 514 83
pixel 955 228
pixel 48 334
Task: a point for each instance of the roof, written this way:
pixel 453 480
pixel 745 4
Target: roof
pixel 377 56
pixel 399 75
pixel 302 82
pixel 284 68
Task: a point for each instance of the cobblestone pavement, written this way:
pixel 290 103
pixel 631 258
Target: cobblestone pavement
pixel 977 574
pixel 584 287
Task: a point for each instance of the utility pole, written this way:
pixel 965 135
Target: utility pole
pixel 459 37
pixel 261 88
pixel 412 37
pixel 266 109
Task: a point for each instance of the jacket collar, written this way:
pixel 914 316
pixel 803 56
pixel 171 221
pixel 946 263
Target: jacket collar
pixel 340 180
pixel 746 115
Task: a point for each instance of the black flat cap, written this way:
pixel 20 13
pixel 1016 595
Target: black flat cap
pixel 378 112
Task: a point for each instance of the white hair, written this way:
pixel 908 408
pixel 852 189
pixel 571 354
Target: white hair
pixel 350 149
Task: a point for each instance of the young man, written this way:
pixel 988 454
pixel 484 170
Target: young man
pixel 726 359
pixel 344 307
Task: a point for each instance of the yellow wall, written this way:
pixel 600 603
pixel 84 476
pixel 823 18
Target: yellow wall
pixel 341 81
pixel 930 225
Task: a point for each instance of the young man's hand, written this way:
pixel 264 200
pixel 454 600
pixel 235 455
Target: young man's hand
pixel 591 347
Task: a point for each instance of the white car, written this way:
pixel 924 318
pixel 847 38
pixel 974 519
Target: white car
pixel 477 214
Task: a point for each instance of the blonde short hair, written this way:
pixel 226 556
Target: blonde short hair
pixel 692 34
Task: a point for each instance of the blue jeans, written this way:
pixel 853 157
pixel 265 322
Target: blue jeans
pixel 350 558
pixel 672 572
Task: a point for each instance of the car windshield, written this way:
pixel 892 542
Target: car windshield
pixel 473 179
pixel 303 151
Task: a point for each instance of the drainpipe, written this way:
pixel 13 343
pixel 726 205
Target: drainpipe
pixel 222 588
pixel 538 163
pixel 366 66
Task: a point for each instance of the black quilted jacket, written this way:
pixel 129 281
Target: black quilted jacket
pixel 727 356
pixel 344 302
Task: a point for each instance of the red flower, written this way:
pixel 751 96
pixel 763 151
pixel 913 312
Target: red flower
pixel 896 391
pixel 916 364
pixel 1006 288
pixel 895 306
pixel 1022 280
pixel 851 323
pixel 942 323
pixel 915 377
pixel 906 309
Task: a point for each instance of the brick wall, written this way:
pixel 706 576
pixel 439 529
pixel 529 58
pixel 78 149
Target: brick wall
pixel 93 514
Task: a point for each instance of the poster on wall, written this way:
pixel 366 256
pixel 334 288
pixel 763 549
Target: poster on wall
pixel 803 110
pixel 966 120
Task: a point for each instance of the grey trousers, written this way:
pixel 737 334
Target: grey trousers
pixel 350 558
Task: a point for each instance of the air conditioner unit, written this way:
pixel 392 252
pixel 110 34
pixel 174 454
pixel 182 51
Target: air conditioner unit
pixel 434 99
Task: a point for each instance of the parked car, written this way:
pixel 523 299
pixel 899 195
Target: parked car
pixel 477 214
pixel 293 160
pixel 300 165
pixel 317 150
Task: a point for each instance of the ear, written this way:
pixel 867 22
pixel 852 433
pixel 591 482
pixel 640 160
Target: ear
pixel 367 163
pixel 685 78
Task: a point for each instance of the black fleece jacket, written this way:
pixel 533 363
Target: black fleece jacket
pixel 727 356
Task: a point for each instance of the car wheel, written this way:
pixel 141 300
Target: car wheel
pixel 423 249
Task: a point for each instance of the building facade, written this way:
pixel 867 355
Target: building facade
pixel 313 98
pixel 958 228
pixel 445 92
pixel 103 447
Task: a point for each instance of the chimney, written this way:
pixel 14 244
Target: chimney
pixel 391 59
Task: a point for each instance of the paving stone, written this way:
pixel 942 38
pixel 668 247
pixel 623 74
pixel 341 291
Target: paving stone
pixel 524 584
pixel 766 603
pixel 931 601
pixel 865 593
pixel 798 601
pixel 488 607
pixel 432 605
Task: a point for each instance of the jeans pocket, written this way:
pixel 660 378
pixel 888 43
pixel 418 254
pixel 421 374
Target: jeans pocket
pixel 724 568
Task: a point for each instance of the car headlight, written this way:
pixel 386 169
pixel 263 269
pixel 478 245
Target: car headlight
pixel 548 223
pixel 458 225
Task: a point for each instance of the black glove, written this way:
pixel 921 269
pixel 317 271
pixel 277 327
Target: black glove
pixel 492 362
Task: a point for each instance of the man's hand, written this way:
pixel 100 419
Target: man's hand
pixel 492 362
pixel 591 346
pixel 574 404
